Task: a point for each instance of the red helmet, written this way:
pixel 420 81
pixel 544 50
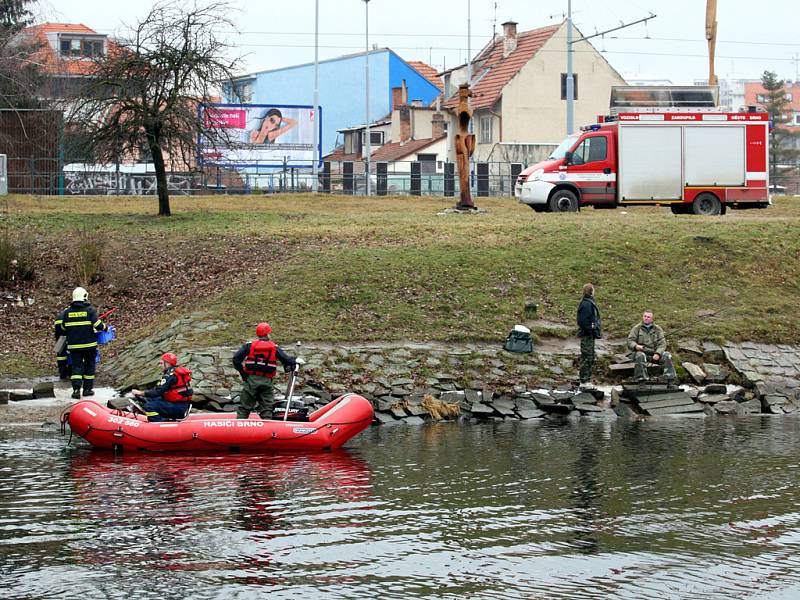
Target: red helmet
pixel 263 329
pixel 170 358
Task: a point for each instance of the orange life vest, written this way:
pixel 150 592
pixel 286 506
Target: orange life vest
pixel 181 391
pixel 262 359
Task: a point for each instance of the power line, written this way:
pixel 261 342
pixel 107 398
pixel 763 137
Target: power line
pixel 488 37
pixel 542 50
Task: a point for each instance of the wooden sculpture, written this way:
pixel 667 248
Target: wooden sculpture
pixel 465 146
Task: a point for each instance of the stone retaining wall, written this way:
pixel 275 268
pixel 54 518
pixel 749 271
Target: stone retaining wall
pixel 415 381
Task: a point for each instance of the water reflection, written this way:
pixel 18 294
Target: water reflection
pixel 685 508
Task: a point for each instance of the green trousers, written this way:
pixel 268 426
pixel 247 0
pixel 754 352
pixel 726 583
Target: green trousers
pixel 587 358
pixel 257 395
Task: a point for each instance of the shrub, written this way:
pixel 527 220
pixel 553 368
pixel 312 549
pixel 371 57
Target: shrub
pixel 16 259
pixel 89 257
pixel 8 255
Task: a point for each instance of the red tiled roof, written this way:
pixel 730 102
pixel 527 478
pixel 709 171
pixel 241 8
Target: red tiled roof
pixel 388 152
pixel 49 57
pixel 501 70
pixel 339 155
pixel 428 72
pixel 396 151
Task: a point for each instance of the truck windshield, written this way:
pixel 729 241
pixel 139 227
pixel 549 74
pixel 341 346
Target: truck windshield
pixel 563 147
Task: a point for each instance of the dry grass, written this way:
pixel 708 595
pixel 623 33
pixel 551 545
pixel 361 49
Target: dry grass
pixel 440 410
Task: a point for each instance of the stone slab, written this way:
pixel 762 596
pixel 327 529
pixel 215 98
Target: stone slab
pixel 673 410
pixel 384 418
pixel 713 398
pixel 414 421
pixel 531 413
pixel 481 410
pixel 583 398
pixel 44 389
pixel 19 395
pixel 696 373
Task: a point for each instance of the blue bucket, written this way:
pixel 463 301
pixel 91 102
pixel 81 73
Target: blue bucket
pixel 104 337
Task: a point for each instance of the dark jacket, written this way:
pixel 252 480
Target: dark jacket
pixel 287 361
pixel 80 324
pixel 651 337
pixel 589 321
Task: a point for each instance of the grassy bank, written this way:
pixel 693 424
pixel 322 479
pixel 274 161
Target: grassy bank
pixel 334 268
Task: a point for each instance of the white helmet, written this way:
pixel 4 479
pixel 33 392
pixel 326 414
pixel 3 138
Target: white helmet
pixel 79 294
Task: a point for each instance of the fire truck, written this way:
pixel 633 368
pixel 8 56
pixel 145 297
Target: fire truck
pixel 697 161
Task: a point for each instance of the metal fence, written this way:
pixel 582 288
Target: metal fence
pixel 42 176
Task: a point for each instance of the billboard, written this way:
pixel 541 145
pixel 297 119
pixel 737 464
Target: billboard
pixel 261 135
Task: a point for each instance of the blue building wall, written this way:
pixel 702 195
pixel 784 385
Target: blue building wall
pixel 341 89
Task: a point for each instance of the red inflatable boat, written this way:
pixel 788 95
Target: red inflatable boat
pixel 326 429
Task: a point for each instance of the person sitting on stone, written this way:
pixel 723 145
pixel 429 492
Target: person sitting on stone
pixel 172 397
pixel 647 343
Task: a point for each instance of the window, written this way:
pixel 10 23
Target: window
pixel 797 119
pixel 427 164
pixel 760 98
pixel 486 130
pixel 243 92
pixel 591 149
pixel 375 138
pixel 81 48
pixel 564 85
pixel 789 97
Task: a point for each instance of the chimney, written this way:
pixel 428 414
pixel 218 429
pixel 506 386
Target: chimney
pixel 397 97
pixel 437 125
pixel 509 37
pixel 405 123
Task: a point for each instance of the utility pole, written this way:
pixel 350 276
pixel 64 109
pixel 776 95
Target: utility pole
pixel 366 87
pixel 315 125
pixel 570 75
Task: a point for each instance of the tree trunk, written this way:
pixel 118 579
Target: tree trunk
pixel 161 180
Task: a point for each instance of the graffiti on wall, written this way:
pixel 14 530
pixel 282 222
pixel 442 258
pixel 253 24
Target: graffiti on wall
pixel 129 184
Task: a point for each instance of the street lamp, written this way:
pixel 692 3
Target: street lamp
pixel 366 87
pixel 570 83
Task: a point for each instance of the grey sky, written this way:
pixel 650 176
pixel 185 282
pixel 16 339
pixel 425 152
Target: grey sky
pixel 752 36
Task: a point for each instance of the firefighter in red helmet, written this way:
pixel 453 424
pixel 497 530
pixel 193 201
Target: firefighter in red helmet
pixel 172 398
pixel 257 363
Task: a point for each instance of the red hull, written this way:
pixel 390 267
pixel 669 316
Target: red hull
pixel 327 429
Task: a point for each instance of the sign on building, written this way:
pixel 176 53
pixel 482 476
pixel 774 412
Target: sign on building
pixel 261 135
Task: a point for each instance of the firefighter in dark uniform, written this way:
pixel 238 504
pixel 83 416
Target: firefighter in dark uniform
pixel 80 324
pixel 172 398
pixel 257 363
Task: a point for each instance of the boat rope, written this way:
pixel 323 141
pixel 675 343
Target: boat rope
pixel 64 419
pixel 270 438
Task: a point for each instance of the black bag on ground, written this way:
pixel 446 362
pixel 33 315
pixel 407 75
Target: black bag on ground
pixel 519 340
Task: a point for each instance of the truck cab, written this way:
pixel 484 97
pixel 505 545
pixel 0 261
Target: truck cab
pixel 581 171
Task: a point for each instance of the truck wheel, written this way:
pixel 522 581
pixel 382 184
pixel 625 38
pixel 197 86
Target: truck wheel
pixel 706 205
pixel 563 201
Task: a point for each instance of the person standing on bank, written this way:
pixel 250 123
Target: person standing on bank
pixel 172 398
pixel 80 324
pixel 257 363
pixel 590 328
pixel 647 342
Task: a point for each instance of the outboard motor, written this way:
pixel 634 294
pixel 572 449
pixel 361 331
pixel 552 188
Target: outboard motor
pixel 297 411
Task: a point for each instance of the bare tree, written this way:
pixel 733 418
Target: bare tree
pixel 20 75
pixel 145 92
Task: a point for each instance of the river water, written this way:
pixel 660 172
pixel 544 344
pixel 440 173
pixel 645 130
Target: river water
pixel 671 508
